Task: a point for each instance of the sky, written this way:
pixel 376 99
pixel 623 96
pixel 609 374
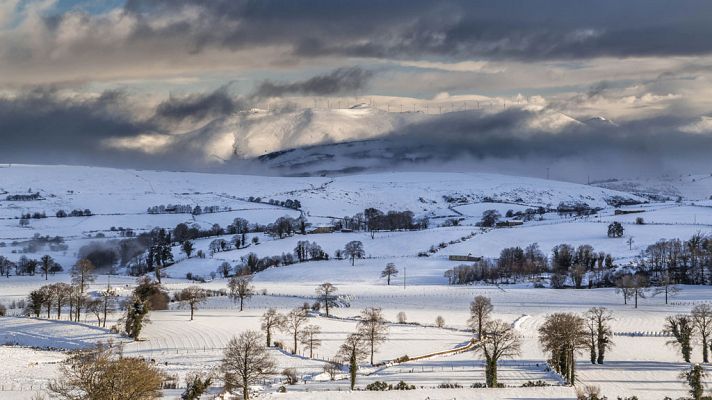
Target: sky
pixel 84 81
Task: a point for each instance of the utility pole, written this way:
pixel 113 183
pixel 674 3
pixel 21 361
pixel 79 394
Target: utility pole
pixel 404 275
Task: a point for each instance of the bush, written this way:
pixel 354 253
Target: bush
pixel 538 383
pixel 448 385
pixel 478 385
pixel 639 221
pixel 290 374
pixel 377 386
pixel 403 386
pixel 402 359
pixel 402 319
pixel 282 389
pixel 3 310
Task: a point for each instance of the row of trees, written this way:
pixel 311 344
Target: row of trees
pixel 185 209
pixel 686 329
pixel 373 220
pixel 58 296
pixel 516 263
pixel 46 265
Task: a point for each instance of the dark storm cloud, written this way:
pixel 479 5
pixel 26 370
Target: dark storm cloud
pixel 647 146
pixel 40 124
pixel 505 29
pixel 198 106
pixel 339 81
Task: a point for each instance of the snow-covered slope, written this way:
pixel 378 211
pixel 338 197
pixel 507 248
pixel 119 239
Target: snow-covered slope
pixel 691 187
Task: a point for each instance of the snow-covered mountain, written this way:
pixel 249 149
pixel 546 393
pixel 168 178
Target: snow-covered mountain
pixel 257 132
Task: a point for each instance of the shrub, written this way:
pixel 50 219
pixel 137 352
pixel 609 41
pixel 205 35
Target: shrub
pixel 290 374
pixel 403 386
pixel 3 310
pixel 377 386
pixel 402 359
pixel 402 319
pixel 478 385
pixel 538 383
pixel 448 385
pixel 639 221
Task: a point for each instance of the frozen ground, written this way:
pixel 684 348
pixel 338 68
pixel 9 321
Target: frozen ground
pixel 639 364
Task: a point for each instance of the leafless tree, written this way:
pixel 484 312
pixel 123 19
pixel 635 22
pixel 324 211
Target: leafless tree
pixel 389 272
pixel 245 362
pixel 61 292
pixel 101 374
pixel 46 264
pixel 325 295
pixel 310 338
pixel 82 274
pixel 563 335
pixel 332 369
pixel 272 320
pixel 294 323
pixel 192 296
pixel 632 286
pixel 373 328
pixel 240 288
pixel 354 250
pixel 480 310
pixel 94 306
pixel 499 341
pixel 666 286
pixel 439 321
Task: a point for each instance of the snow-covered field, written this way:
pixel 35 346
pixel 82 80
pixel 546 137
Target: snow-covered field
pixel 640 363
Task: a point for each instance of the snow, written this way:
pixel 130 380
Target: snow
pixel 639 364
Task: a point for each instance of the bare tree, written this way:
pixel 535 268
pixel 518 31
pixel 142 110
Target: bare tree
pixel 598 323
pixel 272 320
pixel 632 286
pixel 82 274
pixel 100 374
pixel 480 310
pixel 46 264
pixel 666 286
pixel 389 272
pixel 108 302
pixel 563 335
pixel 240 288
pixel 702 319
pixel 245 362
pixel 439 321
pixel 60 292
pixel 325 295
pixel 310 338
pixel 94 306
pixel 624 286
pixel 352 351
pixel 641 286
pixel 332 369
pixel 192 296
pixel 354 250
pixel 499 341
pixel 293 325
pixel 373 328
